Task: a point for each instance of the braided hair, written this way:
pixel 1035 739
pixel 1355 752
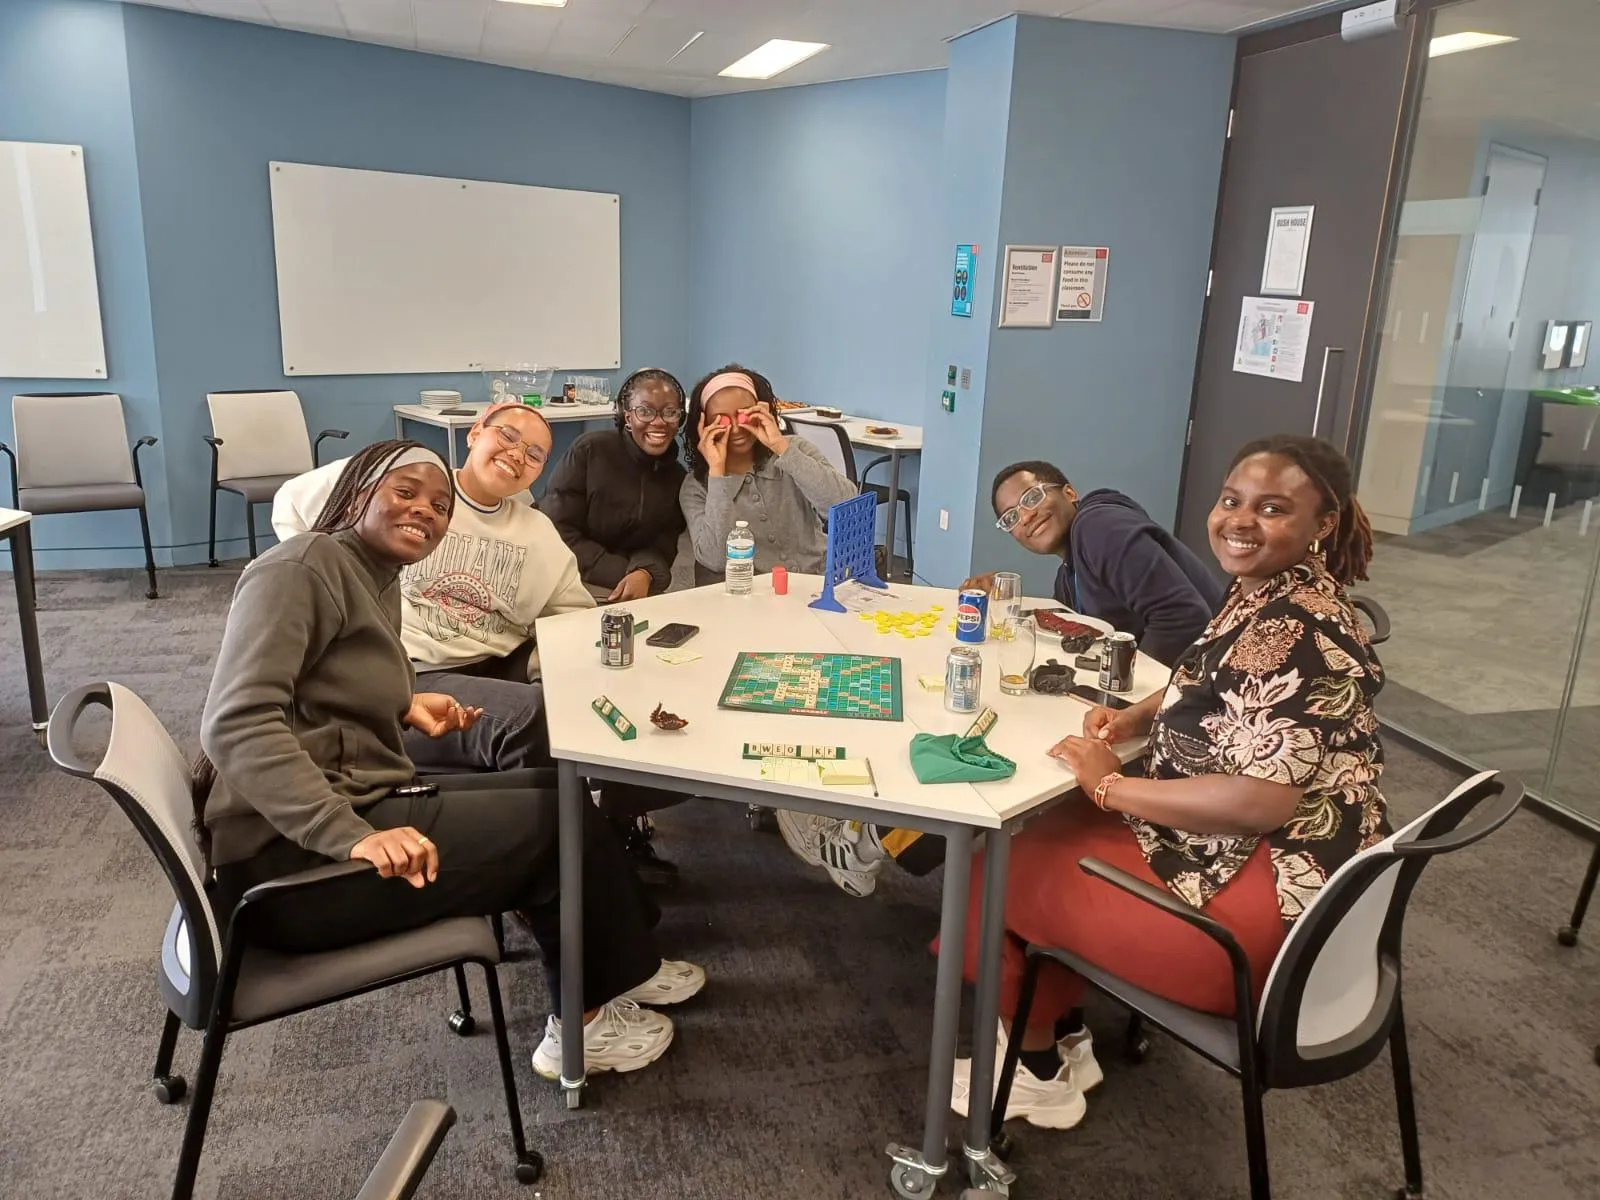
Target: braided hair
pixel 1348 549
pixel 344 508
pixel 691 418
pixel 637 380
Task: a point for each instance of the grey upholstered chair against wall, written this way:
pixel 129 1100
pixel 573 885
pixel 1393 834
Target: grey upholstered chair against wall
pixel 258 443
pixel 1332 999
pixel 211 975
pixel 72 456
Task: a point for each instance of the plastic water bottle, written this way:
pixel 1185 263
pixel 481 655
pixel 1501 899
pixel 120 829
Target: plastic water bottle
pixel 741 571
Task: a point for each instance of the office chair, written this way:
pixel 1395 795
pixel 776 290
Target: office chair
pixel 1567 935
pixel 1375 613
pixel 258 443
pixel 406 1159
pixel 72 456
pixel 212 976
pixel 901 497
pixel 832 440
pixel 1332 999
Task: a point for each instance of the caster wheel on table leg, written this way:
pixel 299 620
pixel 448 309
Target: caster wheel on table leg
pixel 155 595
pixel 1003 1146
pixel 170 1089
pixel 1405 1193
pixel 573 1097
pixel 530 1168
pixel 462 1024
pixel 39 736
pixel 910 1183
pixel 757 817
pixel 1137 1049
pixel 1567 935
pixel 213 563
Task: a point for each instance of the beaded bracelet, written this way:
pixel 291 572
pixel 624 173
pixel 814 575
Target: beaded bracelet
pixel 1102 792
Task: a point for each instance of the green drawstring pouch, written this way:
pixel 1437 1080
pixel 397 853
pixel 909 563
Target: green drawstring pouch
pixel 948 758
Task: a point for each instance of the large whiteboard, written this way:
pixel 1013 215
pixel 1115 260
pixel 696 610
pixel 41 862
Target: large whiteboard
pixel 382 273
pixel 49 296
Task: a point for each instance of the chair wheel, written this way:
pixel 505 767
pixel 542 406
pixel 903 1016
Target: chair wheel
pixel 1567 935
pixel 213 563
pixel 1003 1146
pixel 462 1024
pixel 152 594
pixel 1137 1049
pixel 1405 1193
pixel 530 1167
pixel 170 1089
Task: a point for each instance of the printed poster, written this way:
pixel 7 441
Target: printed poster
pixel 1030 287
pixel 1274 338
pixel 1082 294
pixel 961 288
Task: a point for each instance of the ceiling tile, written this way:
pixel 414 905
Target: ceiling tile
pixel 386 21
pixel 240 10
pixel 589 37
pixel 518 28
pixel 450 26
pixel 312 16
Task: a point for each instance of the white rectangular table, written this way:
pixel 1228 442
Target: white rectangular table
pixel 553 412
pixel 15 529
pixel 705 759
pixel 908 441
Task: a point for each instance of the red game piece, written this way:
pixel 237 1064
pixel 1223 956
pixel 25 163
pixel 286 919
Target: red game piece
pixel 780 581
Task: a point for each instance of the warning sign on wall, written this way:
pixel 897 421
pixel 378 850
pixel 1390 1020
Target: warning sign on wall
pixel 1082 293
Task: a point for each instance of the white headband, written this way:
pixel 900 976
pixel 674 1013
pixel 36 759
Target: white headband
pixel 406 458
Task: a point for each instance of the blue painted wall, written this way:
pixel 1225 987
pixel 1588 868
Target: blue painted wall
pixel 1114 138
pixel 972 173
pixel 213 101
pixel 64 78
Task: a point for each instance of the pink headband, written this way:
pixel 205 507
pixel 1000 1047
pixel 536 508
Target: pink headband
pixel 505 406
pixel 729 379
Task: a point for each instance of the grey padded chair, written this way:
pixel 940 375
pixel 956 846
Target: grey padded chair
pixel 1332 999
pixel 258 443
pixel 832 441
pixel 212 977
pixel 72 456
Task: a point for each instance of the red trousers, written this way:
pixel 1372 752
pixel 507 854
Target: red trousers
pixel 1050 902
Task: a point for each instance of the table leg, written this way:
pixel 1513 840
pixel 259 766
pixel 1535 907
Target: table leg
pixel 399 427
pixel 984 1167
pixel 917 1174
pixel 450 437
pixel 21 540
pixel 573 797
pixel 888 520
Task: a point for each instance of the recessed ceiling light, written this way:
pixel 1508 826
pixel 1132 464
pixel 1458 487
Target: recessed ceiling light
pixel 539 3
pixel 776 57
pixel 1455 43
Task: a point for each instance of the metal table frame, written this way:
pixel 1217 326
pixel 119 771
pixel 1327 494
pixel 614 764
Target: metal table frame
pixel 20 539
pixel 913 1173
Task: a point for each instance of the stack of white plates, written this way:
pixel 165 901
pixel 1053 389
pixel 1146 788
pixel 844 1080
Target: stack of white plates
pixel 440 398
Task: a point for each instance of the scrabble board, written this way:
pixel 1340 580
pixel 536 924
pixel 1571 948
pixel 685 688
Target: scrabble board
pixel 859 686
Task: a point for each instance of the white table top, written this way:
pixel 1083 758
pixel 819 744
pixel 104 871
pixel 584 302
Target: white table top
pixel 10 518
pixel 909 440
pixel 554 413
pixel 710 748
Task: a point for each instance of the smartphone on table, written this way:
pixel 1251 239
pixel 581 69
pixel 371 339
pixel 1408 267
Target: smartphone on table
pixel 669 636
pixel 1094 695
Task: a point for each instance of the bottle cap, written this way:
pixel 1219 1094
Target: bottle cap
pixel 780 581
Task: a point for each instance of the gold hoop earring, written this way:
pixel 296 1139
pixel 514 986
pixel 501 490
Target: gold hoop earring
pixel 1316 546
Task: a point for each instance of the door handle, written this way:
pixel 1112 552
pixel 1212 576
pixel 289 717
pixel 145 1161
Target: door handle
pixel 1322 385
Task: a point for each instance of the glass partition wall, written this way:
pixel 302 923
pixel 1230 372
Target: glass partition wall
pixel 1481 461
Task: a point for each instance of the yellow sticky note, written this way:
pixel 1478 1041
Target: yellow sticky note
pixel 676 658
pixel 789 770
pixel 845 772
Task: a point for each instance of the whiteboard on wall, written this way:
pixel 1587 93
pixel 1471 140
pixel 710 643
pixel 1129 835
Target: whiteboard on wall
pixel 381 273
pixel 49 296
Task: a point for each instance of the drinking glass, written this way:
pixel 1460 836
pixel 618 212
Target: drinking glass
pixel 1015 641
pixel 1005 598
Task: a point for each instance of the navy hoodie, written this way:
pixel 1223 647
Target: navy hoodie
pixel 1124 568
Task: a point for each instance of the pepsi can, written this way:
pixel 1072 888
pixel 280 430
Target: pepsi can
pixel 972 615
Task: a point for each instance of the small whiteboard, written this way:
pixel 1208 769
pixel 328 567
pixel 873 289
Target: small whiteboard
pixel 49 296
pixel 382 273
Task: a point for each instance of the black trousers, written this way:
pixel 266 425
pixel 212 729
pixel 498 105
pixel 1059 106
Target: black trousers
pixel 496 836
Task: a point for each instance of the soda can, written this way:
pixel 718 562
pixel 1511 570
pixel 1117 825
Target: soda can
pixel 972 615
pixel 1116 662
pixel 963 679
pixel 616 638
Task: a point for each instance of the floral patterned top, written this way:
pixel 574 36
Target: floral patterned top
pixel 1279 686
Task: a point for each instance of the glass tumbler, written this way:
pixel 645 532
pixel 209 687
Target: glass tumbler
pixel 1015 642
pixel 1005 598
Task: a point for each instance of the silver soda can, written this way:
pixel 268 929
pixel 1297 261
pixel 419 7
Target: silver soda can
pixel 963 679
pixel 1116 662
pixel 616 638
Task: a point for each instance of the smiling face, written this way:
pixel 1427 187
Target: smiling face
pixel 506 456
pixel 407 514
pixel 726 407
pixel 653 433
pixel 1042 529
pixel 1266 518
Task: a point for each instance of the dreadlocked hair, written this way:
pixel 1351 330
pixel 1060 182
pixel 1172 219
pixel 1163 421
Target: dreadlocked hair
pixel 691 417
pixel 346 505
pixel 1348 549
pixel 637 380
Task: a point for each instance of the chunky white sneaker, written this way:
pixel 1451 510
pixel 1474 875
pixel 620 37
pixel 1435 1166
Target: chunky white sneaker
pixel 1048 1103
pixel 1077 1051
pixel 622 1037
pixel 832 844
pixel 673 983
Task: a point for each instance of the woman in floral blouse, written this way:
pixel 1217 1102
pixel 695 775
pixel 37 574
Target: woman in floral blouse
pixel 1260 781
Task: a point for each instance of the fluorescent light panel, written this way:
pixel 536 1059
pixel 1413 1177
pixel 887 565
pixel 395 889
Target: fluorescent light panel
pixel 539 3
pixel 1455 43
pixel 776 57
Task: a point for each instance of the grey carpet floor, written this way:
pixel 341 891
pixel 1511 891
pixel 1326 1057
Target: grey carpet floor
pixel 803 1058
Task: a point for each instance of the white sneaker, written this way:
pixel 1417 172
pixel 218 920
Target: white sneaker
pixel 832 844
pixel 622 1037
pixel 1077 1051
pixel 1048 1103
pixel 673 983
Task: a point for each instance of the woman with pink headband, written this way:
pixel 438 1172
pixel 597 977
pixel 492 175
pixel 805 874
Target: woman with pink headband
pixel 742 467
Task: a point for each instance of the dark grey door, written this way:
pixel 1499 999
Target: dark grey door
pixel 1314 122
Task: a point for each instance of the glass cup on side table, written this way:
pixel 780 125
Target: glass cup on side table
pixel 1015 642
pixel 1005 598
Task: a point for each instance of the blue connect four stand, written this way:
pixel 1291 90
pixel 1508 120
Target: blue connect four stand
pixel 852 538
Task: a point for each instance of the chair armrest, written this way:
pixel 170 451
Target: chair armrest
pixel 872 466
pixel 7 451
pixel 147 440
pixel 409 1153
pixel 64 718
pixel 300 881
pixel 1478 824
pixel 1376 614
pixel 341 434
